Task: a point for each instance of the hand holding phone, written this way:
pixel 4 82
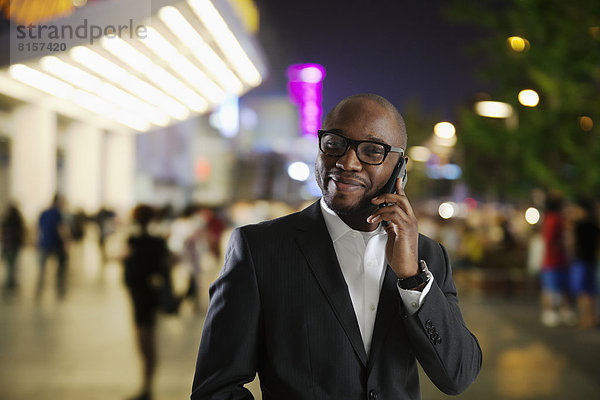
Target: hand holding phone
pixel 403 233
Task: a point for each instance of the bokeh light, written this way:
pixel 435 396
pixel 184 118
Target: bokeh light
pixel 532 215
pixel 447 209
pixel 586 123
pixel 529 98
pixel 299 171
pixel 493 109
pixel 518 43
pixel 444 130
pixel 419 153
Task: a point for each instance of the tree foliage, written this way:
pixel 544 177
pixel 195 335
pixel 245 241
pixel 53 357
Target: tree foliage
pixel 547 148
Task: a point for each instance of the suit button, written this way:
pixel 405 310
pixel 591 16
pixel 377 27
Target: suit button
pixel 372 395
pixel 438 341
pixel 428 324
pixel 431 330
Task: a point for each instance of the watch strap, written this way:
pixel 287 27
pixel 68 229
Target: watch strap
pixel 416 280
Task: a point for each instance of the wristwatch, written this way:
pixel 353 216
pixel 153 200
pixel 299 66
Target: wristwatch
pixel 415 281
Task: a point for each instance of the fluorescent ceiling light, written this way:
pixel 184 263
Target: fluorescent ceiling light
pixel 98 64
pixel 156 74
pixel 129 102
pixel 226 40
pixel 97 105
pixel 131 83
pixel 106 91
pixel 127 53
pixel 91 102
pixel 69 73
pixel 184 68
pixel 190 37
pixel 176 88
pixel 138 89
pixel 41 81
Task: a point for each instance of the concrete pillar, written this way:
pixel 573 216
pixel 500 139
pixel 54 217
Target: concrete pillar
pixel 33 172
pixel 119 171
pixel 83 166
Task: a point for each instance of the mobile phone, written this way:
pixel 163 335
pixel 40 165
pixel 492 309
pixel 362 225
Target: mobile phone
pixel 399 172
pixel 390 186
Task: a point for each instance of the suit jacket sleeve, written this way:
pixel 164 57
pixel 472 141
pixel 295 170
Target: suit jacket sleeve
pixel 448 352
pixel 228 353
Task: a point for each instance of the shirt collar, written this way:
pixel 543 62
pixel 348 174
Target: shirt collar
pixel 338 228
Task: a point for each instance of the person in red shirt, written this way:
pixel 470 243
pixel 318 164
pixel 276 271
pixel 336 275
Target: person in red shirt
pixel 555 273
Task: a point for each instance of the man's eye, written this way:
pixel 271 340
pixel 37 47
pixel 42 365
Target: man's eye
pixel 334 143
pixel 372 149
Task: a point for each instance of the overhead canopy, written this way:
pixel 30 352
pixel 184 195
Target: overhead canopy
pixel 137 64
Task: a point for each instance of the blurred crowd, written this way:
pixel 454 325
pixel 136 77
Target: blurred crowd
pixel 491 245
pixel 169 257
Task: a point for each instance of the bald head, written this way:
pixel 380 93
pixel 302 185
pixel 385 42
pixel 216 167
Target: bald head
pixel 361 99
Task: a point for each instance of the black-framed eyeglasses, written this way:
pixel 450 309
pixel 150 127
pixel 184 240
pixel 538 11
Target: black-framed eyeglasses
pixel 368 151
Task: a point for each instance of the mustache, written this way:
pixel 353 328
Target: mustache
pixel 347 177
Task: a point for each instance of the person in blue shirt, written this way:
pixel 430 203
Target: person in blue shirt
pixel 52 237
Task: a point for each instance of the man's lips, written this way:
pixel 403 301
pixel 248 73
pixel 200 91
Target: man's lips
pixel 346 184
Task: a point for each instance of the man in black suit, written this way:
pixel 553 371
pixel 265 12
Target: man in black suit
pixel 340 300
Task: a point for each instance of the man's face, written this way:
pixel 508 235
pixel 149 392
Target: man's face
pixel 347 184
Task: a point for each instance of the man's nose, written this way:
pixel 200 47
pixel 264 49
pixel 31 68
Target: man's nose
pixel 349 161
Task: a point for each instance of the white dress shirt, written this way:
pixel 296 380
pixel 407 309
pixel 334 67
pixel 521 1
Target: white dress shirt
pixel 361 256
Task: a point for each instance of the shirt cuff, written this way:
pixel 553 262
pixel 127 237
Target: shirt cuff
pixel 413 299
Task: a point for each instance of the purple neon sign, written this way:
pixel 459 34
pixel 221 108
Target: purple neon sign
pixel 305 89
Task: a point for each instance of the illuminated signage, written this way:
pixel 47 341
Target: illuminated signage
pixel 305 89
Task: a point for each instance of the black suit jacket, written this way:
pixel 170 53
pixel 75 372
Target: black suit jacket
pixel 281 307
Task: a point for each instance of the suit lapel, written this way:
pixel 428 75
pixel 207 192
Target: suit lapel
pixel 386 310
pixel 316 245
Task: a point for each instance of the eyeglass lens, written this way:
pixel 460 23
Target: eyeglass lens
pixel 367 152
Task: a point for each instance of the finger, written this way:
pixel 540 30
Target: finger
pixel 393 213
pixel 399 188
pixel 389 199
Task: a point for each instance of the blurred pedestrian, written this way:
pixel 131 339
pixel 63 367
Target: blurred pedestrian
pixel 535 252
pixel 555 273
pixel 12 232
pixel 53 236
pixel 105 219
pixel 583 268
pixel 147 277
pixel 77 224
pixel 188 240
pixel 215 225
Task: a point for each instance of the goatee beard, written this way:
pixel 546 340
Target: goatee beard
pixel 364 206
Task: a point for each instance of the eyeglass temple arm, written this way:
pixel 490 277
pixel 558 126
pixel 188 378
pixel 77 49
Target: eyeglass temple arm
pixel 397 150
